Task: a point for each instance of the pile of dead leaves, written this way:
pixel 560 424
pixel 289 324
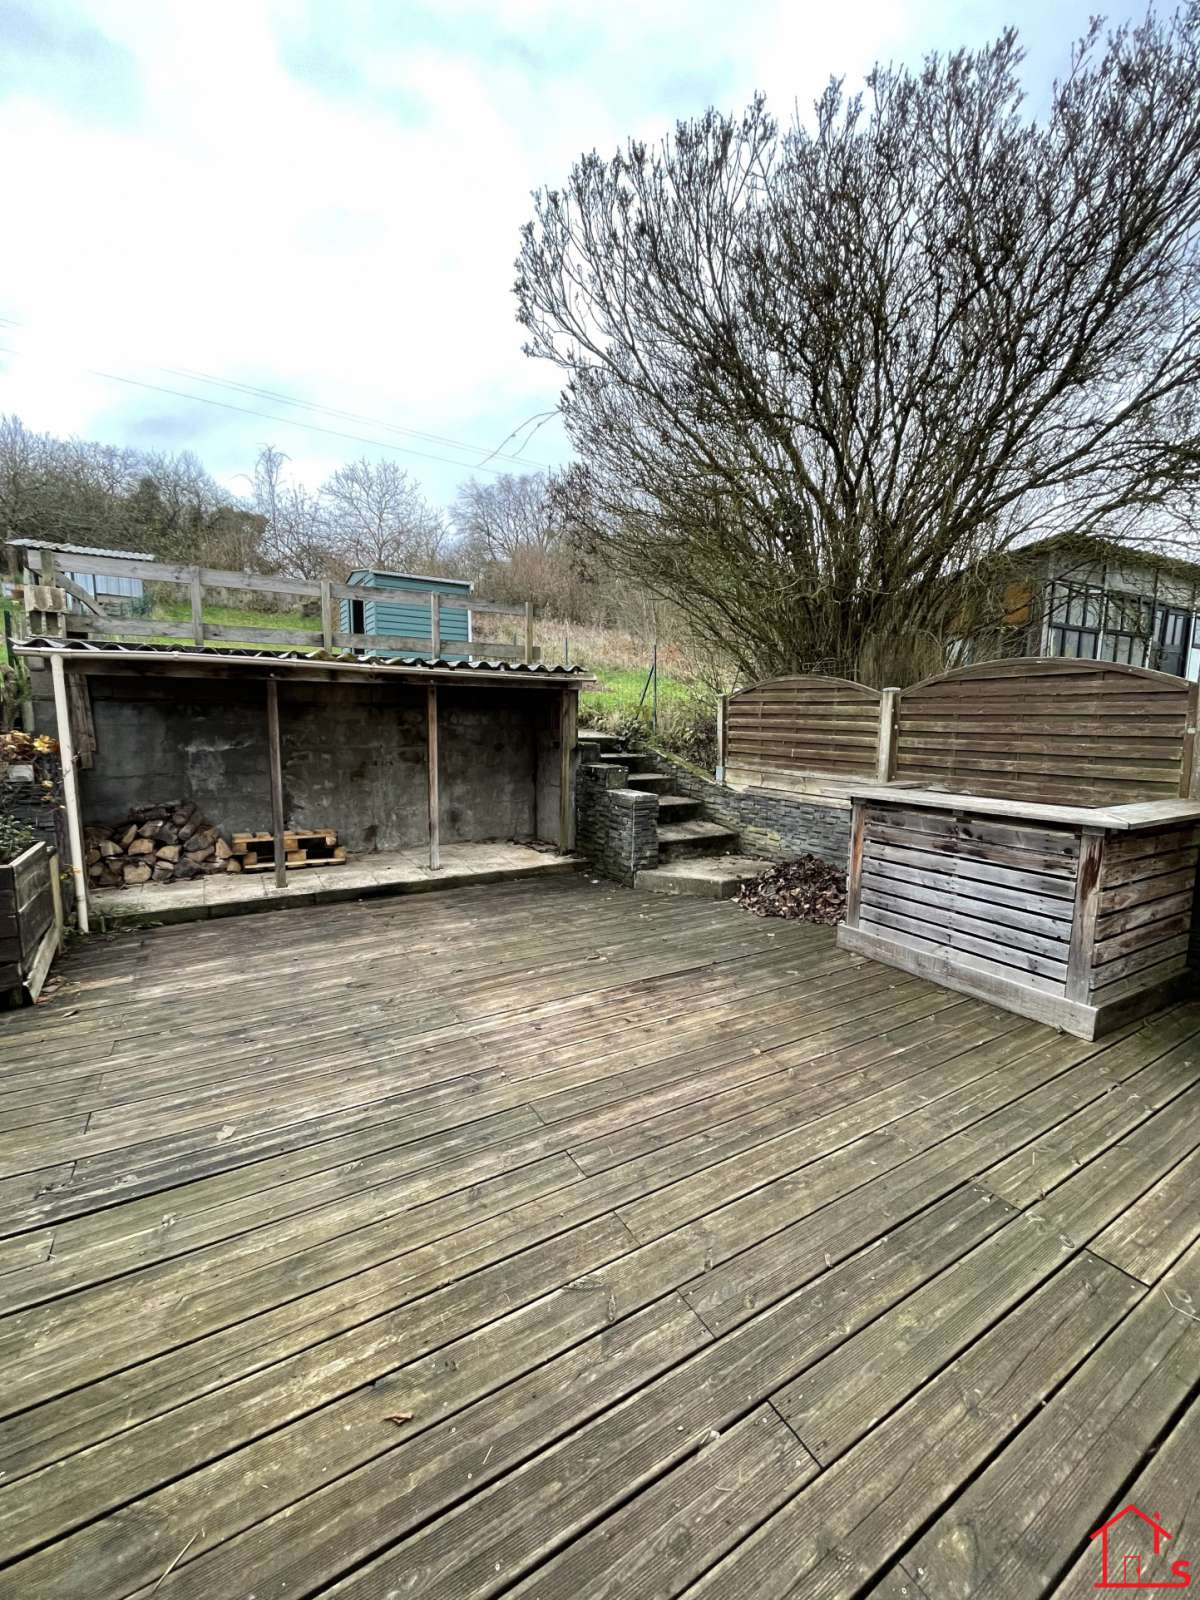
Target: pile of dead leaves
pixel 807 890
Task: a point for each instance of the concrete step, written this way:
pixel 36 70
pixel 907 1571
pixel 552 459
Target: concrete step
pixel 694 838
pixel 618 755
pixel 676 808
pixel 655 782
pixel 705 877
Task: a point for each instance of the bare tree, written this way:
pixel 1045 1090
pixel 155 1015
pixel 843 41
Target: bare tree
pixel 298 537
pixel 379 518
pixel 816 376
pixel 508 516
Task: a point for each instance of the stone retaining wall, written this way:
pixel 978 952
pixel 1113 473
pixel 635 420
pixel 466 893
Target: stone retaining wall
pixel 615 828
pixel 772 824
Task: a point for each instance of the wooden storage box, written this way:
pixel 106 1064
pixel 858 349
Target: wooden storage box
pixel 1076 916
pixel 28 919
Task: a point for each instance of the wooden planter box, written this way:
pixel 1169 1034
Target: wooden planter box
pixel 28 919
pixel 1076 916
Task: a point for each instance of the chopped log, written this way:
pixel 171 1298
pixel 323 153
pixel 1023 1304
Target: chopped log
pixel 141 847
pixel 186 868
pixel 136 873
pixel 168 852
pixel 129 835
pixel 233 864
pixel 149 830
pixel 109 847
pixel 168 833
pixel 202 839
pixel 96 869
pixel 223 850
pixel 163 872
pixel 213 866
pixel 199 856
pixel 92 855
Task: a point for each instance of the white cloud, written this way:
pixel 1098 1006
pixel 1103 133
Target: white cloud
pixel 326 199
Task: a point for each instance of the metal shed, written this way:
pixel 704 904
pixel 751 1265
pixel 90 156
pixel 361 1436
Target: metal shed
pixel 396 604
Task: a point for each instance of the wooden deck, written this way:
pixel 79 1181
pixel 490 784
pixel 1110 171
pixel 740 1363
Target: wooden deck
pixel 548 1239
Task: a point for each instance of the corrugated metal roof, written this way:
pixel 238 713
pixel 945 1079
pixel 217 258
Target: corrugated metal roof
pixel 319 658
pixel 82 550
pixel 406 577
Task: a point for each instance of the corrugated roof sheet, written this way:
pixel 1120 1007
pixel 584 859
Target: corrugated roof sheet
pixel 82 550
pixel 311 657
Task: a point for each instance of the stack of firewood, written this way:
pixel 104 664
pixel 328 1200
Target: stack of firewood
pixel 157 844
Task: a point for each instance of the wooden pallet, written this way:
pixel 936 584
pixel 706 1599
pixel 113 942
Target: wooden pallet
pixel 336 860
pixel 313 848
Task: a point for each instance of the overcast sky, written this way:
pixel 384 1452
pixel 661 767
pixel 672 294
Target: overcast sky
pixel 322 198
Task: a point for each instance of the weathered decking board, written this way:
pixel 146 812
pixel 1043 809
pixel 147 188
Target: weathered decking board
pixel 554 1240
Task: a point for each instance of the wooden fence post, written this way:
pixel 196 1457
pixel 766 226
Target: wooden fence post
pixel 722 708
pixel 1189 774
pixel 275 760
pixel 435 625
pixel 888 706
pixel 327 629
pixel 196 589
pixel 66 748
pixel 528 630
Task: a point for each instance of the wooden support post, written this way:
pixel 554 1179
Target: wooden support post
pixel 529 630
pixel 275 763
pixel 722 709
pixel 431 719
pixel 566 797
pixel 1081 950
pixel 196 589
pixel 60 921
pixel 854 866
pixel 889 700
pixel 435 625
pixel 1189 774
pixel 327 629
pixel 66 747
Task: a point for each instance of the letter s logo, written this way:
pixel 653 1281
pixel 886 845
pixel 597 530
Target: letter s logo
pixel 1181 1569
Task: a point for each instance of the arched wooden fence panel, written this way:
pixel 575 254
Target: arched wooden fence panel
pixel 791 728
pixel 1071 732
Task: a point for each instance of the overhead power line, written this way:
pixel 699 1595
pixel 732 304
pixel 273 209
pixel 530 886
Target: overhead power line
pixel 292 422
pixel 277 396
pixel 354 416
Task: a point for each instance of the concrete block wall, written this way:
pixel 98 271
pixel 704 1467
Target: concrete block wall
pixel 353 756
pixel 615 828
pixel 774 825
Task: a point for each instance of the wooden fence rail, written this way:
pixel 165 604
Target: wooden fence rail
pixel 42 569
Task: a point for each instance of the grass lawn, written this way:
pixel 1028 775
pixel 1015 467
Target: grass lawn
pixel 621 689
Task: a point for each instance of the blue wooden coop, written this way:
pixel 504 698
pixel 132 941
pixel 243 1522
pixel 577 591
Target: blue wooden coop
pixel 397 605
